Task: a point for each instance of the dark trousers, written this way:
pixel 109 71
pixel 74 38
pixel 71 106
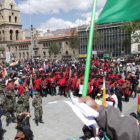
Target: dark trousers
pixel 120 103
pixel 126 97
pixel 40 91
pixel 134 89
pixel 44 91
pixel 52 90
pixel 62 91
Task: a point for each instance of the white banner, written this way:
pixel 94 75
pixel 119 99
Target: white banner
pixel 7 57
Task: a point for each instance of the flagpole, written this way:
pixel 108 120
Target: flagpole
pixel 89 49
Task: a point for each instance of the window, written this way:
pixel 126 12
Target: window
pixel 11 7
pixel 17 33
pixel 15 19
pixel 44 53
pixel 138 47
pixel 67 53
pixel 28 55
pixel 23 55
pixel 11 34
pixel 9 18
pixel 35 52
pixel 19 55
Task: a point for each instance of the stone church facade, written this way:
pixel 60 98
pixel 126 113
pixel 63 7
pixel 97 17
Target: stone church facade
pixel 11 38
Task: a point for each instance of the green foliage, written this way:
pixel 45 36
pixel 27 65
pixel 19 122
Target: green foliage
pixel 97 37
pixel 74 41
pixel 54 48
pixel 131 26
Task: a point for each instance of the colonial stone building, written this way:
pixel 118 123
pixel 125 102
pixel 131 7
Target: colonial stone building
pixel 22 49
pixel 10 25
pixel 11 40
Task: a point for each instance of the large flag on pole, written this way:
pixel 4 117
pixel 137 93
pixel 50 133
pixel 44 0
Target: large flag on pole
pixel 138 109
pixel 119 10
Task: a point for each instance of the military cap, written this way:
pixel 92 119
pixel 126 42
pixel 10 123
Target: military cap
pixel 8 93
pixel 36 93
pixel 20 99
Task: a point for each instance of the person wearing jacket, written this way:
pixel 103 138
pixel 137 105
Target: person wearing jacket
pixel 117 127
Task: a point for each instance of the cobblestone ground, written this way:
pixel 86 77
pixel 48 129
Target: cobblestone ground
pixel 60 121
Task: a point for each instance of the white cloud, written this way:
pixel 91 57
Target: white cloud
pixel 58 23
pixel 101 3
pixel 54 6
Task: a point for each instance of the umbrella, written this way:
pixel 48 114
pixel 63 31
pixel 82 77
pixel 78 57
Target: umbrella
pixel 12 71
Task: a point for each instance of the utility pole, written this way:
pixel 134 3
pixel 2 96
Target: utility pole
pixel 32 41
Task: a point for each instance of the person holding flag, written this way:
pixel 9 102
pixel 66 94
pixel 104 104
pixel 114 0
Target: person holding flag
pixel 111 121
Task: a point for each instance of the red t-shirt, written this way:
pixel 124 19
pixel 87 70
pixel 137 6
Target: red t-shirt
pixel 20 89
pixel 37 83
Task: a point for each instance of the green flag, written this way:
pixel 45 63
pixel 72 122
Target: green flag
pixel 119 10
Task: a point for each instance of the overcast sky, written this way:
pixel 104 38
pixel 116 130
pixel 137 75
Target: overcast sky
pixel 56 14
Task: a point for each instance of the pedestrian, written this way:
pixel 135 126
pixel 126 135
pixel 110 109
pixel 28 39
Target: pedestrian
pixel 119 94
pixel 9 108
pixel 24 131
pixel 38 111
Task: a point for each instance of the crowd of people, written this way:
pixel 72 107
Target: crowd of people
pixel 22 80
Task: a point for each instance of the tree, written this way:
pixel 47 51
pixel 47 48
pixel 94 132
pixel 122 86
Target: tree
pixel 97 38
pixel 74 41
pixel 131 28
pixel 54 48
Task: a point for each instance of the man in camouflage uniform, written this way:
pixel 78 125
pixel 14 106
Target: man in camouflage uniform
pixel 38 111
pixel 26 103
pixel 9 107
pixel 20 106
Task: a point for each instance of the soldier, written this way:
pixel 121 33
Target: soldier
pixel 9 107
pixel 20 106
pixel 37 104
pixel 25 98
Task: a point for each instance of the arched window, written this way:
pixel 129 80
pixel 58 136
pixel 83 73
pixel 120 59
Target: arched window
pixel 11 6
pixel 0 35
pixel 11 34
pixel 44 53
pixel 27 55
pixel 67 53
pixel 15 19
pixel 9 18
pixel 19 55
pixel 17 33
pixel 23 55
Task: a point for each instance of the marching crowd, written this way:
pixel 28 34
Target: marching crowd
pixel 19 81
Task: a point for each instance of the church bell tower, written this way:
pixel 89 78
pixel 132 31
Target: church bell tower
pixel 10 24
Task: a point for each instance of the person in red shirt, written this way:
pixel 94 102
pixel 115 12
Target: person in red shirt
pixel 20 89
pixel 62 86
pixel 44 86
pixel 126 85
pixel 38 84
pixel 51 84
